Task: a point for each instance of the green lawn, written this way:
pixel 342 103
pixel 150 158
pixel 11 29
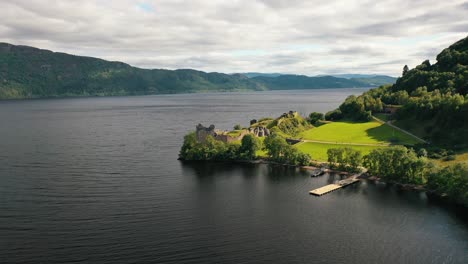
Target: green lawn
pixel 318 151
pixel 349 132
pixel 235 133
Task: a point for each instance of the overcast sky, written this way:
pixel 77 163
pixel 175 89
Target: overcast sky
pixel 286 36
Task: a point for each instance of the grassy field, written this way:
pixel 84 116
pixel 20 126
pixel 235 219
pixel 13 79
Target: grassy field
pixel 350 132
pixel 318 151
pixel 459 158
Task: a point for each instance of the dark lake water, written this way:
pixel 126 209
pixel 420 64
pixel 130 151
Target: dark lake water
pixel 97 180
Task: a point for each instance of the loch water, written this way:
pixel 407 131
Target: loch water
pixel 97 180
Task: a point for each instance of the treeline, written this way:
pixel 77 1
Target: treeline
pixel 393 164
pixel 397 164
pixel 345 159
pixel 405 166
pixel 355 109
pixel 452 180
pixel 213 149
pixel 280 151
pixel 276 147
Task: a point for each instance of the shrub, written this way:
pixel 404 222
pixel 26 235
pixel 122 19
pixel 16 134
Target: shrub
pixel 334 115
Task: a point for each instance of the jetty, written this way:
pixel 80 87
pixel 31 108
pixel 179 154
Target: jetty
pixel 335 186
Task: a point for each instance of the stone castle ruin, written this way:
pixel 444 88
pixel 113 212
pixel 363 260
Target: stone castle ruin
pixel 202 132
pixel 259 131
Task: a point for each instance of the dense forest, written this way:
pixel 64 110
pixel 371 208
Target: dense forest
pixel 27 72
pixel 432 99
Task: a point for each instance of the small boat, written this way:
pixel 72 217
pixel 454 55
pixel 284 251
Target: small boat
pixel 317 173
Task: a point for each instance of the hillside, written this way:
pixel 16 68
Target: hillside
pixel 27 72
pixel 256 74
pixel 432 99
pixel 375 80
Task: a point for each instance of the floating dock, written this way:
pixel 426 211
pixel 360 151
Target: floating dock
pixel 332 187
pixel 325 189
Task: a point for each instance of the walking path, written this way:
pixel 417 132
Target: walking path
pixel 406 132
pixel 389 123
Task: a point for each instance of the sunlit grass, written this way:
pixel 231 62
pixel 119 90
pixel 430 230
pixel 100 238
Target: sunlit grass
pixel 350 132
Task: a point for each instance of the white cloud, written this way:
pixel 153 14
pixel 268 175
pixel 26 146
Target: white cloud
pixel 304 37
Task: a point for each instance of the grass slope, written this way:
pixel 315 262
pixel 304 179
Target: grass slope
pixel 350 132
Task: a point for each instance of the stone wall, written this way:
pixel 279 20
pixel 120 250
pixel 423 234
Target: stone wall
pixel 202 132
pixel 260 131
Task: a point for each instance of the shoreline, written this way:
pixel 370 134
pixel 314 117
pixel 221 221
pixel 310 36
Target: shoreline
pixel 364 176
pixel 171 93
pixel 265 161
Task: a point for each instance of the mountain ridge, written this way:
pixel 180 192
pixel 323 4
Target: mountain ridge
pixel 30 72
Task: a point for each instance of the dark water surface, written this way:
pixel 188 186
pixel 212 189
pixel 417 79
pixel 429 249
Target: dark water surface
pixel 96 180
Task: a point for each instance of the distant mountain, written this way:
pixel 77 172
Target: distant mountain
pixel 352 75
pixel 359 80
pixel 288 82
pixel 27 72
pixel 256 74
pixel 375 80
pixel 305 82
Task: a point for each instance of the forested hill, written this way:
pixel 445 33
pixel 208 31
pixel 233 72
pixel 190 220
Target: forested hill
pixel 285 82
pixel 290 81
pixel 27 72
pixel 449 74
pixel 432 99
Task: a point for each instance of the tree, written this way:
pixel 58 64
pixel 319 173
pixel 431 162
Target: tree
pixel 353 159
pixel 334 115
pixel 335 156
pixel 422 152
pixel 315 117
pixel 237 127
pixel 405 70
pixel 451 180
pixel 275 146
pixel 279 150
pixel 190 141
pixel 354 108
pixel 346 159
pixel 249 146
pixel 397 164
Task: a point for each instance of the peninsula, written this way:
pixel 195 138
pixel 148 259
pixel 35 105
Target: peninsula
pixel 407 133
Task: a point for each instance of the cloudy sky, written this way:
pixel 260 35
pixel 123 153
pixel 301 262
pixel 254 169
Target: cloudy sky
pixel 286 36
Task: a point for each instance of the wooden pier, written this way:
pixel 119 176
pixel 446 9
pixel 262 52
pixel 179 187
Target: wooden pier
pixel 332 187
